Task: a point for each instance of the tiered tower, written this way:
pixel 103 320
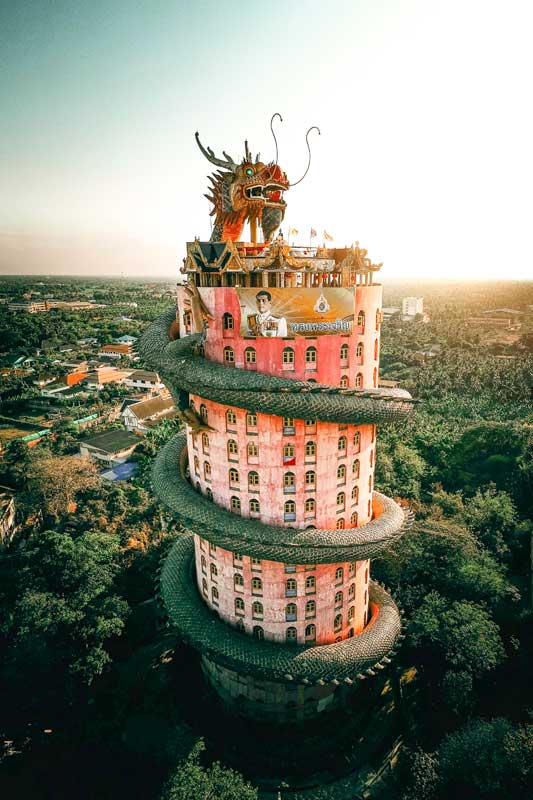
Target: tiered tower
pixel 273 359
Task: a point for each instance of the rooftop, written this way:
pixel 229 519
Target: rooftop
pixel 155 405
pixel 111 441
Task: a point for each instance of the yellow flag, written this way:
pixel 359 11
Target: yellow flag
pixel 293 232
pixel 327 237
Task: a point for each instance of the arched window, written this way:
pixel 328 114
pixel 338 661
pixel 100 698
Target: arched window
pixel 344 382
pixel 339 575
pixel 204 415
pixel 209 493
pixel 370 483
pixel 310 632
pixel 356 467
pixel 253 480
pixel 365 619
pixel 205 443
pixel 229 355
pixel 291 635
pixel 204 564
pixel 310 358
pixel 341 444
pixel 341 500
pixel 288 453
pixel 310 478
pixel 341 473
pixel 310 505
pixel 351 612
pixel 369 509
pixel 310 608
pixel 196 465
pixel 214 593
pixel 251 421
pixel 375 377
pixel 238 580
pixel 204 587
pixel 258 633
pixel 250 355
pixel 240 624
pixel 288 357
pixel 214 570
pixel 351 569
pixel 207 470
pixel 233 476
pixel 239 604
pixel 355 494
pixel 254 506
pixel 339 523
pixel 291 612
pixel 310 449
pixel 371 458
pixel 366 597
pixel 357 441
pixel 290 510
pixel 378 319
pixel 359 380
pixel 351 591
pixel 361 319
pixel 252 450
pixel 290 587
pixel 235 504
pixel 344 352
pixel 257 609
pixel 337 622
pixel 231 419
pixel 366 575
pixel 257 585
pixel 359 350
pixel 289 481
pixel 338 598
pixel 353 519
pixel 233 450
pixel 227 322
pixel 310 583
pixel 376 349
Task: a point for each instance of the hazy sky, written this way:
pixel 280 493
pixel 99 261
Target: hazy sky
pixel 425 110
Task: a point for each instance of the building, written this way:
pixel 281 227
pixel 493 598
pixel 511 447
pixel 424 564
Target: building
pixel 411 306
pixel 7 515
pixel 28 306
pixel 126 339
pixel 145 415
pixel 96 379
pixel 143 380
pixel 111 447
pixel 116 351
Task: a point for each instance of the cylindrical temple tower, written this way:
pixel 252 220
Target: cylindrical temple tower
pixel 273 358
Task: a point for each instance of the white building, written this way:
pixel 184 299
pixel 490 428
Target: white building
pixel 146 414
pixel 143 380
pixel 411 306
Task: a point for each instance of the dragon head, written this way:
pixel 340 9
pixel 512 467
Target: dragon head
pixel 251 190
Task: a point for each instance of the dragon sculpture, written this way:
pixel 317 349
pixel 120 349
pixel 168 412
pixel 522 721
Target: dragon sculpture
pixel 247 192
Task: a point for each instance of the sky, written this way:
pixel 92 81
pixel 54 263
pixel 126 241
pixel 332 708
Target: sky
pixel 424 107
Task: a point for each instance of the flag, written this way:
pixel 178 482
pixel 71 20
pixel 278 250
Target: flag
pixel 289 461
pixel 327 237
pixel 313 233
pixel 293 232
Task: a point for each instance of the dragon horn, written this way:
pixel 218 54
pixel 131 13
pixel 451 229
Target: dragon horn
pixel 229 163
pixel 247 154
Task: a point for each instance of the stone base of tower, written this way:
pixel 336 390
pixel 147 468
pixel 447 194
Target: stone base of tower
pixel 269 700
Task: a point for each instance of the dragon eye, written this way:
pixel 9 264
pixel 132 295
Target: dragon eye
pixel 249 171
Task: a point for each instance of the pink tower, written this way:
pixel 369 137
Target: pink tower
pixel 273 359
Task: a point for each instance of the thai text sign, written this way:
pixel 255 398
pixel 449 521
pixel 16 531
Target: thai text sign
pixel 296 312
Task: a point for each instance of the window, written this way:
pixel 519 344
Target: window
pixel 310 423
pixel 214 570
pixel 235 504
pixel 351 569
pixel 231 419
pixel 257 585
pixel 227 322
pixel 341 473
pixel 341 500
pixel 378 319
pixel 344 382
pixel 365 619
pixel 250 355
pixel 353 519
pixel 258 633
pixel 366 575
pixel 361 319
pixel 256 563
pixel 238 581
pixel 204 564
pixel 233 476
pixel 338 598
pixel 310 608
pixel 251 421
pixel 291 635
pixel 310 632
pixel 203 416
pixel 204 587
pixel 239 605
pixel 205 443
pixel 288 358
pixel 310 583
pixel 310 505
pixel 257 609
pixel 357 441
pixel 212 548
pixel 233 450
pixel 370 483
pixel 291 612
pixel 359 380
pixel 366 596
pixel 310 478
pixel 237 558
pixel 288 452
pixel 341 444
pixel 252 450
pixel 207 470
pixel 359 350
pixel 339 575
pixel 351 612
pixel 355 494
pixel 373 433
pixel 290 510
pixel 340 523
pixel 351 591
pixel 289 481
pixel 376 349
pixel 196 465
pixel 290 587
pixel 288 425
pixel 344 352
pixel 214 593
pixel 371 458
pixel 356 467
pixel 254 506
pixel 240 625
pixel 202 543
pixel 310 450
pixel 310 358
pixel 209 493
pixel 229 355
pixel 375 377
pixel 290 568
pixel 337 622
pixel 253 480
